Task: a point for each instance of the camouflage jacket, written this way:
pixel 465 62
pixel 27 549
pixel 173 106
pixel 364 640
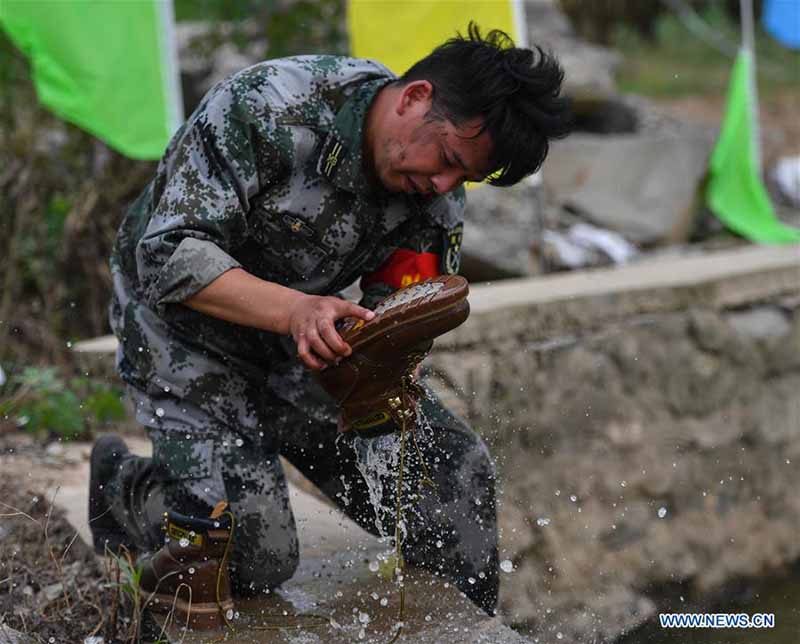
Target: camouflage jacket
pixel 266 175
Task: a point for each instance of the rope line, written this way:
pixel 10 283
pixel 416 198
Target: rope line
pixel 697 26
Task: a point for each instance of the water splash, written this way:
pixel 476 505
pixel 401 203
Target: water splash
pixel 377 460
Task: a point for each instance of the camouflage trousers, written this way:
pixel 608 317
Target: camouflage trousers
pixel 450 527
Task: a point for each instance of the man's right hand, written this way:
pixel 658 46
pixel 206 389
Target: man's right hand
pixel 312 321
pixel 237 296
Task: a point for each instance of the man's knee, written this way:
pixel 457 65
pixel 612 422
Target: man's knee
pixel 262 559
pixel 265 538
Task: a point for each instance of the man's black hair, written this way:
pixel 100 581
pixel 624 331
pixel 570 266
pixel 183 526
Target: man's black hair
pixel 515 91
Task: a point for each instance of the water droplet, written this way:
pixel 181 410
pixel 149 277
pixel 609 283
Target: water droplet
pixel 191 571
pixel 428 618
pixel 166 388
pixel 573 498
pixel 373 566
pixel 559 635
pixel 239 442
pixel 471 580
pixel 229 614
pixel 542 521
pixel 184 542
pixel 160 412
pixel 363 618
pixel 384 601
pixel 662 512
pixel 506 565
pixel 439 543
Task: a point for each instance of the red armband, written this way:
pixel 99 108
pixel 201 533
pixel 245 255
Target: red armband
pixel 405 267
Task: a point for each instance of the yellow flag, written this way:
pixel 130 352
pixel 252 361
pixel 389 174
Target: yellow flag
pixel 398 33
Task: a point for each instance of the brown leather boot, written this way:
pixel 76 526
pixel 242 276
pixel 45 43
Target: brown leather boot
pixel 369 384
pixel 188 576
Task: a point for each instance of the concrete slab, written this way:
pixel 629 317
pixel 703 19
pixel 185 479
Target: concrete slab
pixel 556 305
pixel 662 273
pixel 358 606
pixel 336 579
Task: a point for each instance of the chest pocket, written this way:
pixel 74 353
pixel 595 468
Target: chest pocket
pixel 291 243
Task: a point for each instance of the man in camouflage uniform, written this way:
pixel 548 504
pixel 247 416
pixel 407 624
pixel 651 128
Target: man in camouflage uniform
pixel 290 181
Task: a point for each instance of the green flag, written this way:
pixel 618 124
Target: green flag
pixel 108 66
pixel 735 192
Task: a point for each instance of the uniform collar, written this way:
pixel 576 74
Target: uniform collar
pixel 341 158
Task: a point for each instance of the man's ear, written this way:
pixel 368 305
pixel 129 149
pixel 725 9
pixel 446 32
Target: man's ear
pixel 414 95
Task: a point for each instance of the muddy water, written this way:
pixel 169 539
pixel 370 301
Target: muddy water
pixel 780 597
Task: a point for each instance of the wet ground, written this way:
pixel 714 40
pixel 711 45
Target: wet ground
pixel 339 578
pixel 359 607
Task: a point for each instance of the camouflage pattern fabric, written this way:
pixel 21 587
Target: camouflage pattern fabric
pixel 267 175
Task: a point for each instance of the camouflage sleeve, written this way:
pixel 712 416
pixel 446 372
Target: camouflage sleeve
pixel 431 246
pixel 207 178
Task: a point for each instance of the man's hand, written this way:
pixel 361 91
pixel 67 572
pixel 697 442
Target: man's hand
pixel 311 324
pixel 237 296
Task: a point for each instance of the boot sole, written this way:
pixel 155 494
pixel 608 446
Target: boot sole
pixel 202 616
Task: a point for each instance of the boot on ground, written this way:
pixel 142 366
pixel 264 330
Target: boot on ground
pixel 107 534
pixel 188 576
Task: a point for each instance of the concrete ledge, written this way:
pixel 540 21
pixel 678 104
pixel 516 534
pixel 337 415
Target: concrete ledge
pixel 542 307
pixel 103 344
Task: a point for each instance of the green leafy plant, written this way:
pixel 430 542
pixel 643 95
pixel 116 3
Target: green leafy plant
pixel 42 402
pixel 127 601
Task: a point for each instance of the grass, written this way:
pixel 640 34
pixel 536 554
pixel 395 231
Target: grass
pixel 680 63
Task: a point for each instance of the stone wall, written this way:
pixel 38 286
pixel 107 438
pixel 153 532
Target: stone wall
pixel 652 447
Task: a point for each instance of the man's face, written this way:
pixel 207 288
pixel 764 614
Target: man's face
pixel 417 153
